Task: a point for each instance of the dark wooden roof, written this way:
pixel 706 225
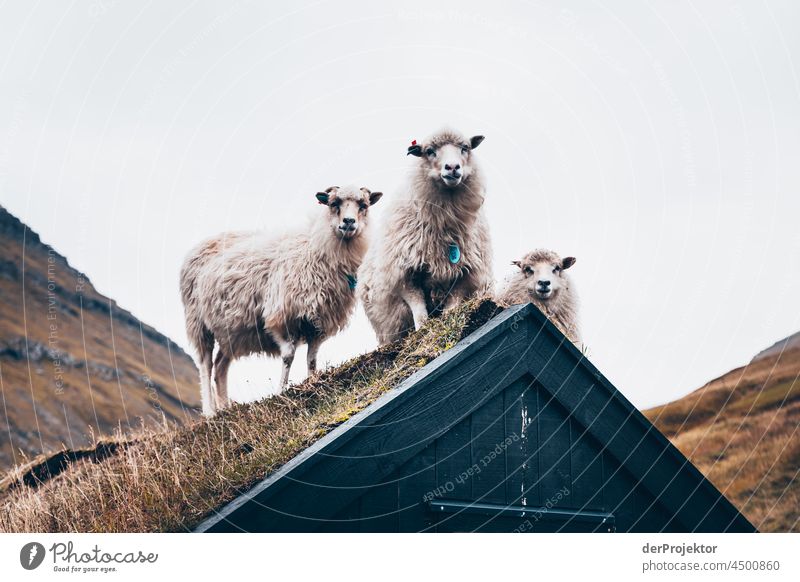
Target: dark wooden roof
pixel 400 464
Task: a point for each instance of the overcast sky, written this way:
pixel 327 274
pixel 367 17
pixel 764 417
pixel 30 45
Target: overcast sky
pixel 658 142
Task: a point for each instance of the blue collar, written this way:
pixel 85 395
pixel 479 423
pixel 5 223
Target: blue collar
pixel 351 281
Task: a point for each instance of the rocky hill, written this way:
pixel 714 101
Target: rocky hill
pixel 72 362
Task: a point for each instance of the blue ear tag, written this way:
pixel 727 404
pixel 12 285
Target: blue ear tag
pixel 454 253
pixel 352 281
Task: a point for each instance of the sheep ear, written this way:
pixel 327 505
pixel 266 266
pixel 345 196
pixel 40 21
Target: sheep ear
pixel 414 150
pixel 374 197
pixel 568 262
pixel 323 197
pixel 476 141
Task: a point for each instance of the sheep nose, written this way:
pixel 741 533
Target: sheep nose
pixel 544 283
pixel 349 221
pixel 452 168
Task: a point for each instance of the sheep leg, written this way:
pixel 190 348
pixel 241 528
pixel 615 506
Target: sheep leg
pixel 287 348
pixel 287 356
pixel 416 303
pixel 221 365
pixel 205 350
pixel 313 348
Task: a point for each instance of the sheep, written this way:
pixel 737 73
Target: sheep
pixel 256 293
pixel 542 280
pixel 435 250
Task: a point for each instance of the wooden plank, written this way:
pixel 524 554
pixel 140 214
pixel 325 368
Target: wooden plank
pixel 652 517
pixel 522 461
pixel 587 470
pixel 620 497
pixel 379 509
pixel 346 521
pixel 414 485
pixel 489 445
pixel 453 459
pixel 554 451
pixel 522 456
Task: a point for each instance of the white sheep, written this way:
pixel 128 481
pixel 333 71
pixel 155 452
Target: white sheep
pixel 435 249
pixel 542 280
pixel 257 293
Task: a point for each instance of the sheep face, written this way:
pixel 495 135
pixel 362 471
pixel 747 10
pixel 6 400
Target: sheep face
pixel 348 208
pixel 446 158
pixel 544 274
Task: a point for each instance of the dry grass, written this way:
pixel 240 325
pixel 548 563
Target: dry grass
pixel 742 431
pixel 170 480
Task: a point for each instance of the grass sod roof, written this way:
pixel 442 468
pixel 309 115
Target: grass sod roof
pixel 170 480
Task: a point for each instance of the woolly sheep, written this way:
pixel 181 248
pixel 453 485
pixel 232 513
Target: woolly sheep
pixel 543 281
pixel 252 292
pixel 435 249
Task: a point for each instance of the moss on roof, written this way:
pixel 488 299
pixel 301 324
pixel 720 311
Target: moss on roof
pixel 170 480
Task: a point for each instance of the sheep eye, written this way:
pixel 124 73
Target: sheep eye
pixel 528 271
pixel 556 269
pixel 430 152
pixel 362 206
pixel 464 149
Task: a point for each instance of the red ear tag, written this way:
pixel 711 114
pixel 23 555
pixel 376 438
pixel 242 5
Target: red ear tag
pixel 413 142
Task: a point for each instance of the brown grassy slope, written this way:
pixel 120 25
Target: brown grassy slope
pixel 742 431
pixel 170 480
pixel 71 360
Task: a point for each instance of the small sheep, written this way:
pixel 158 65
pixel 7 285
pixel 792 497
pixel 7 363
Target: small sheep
pixel 435 249
pixel 542 280
pixel 252 292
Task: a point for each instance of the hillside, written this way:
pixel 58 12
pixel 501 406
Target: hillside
pixel 72 362
pixel 742 432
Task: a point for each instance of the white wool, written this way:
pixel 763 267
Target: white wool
pixel 407 274
pixel 251 292
pixel 561 308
